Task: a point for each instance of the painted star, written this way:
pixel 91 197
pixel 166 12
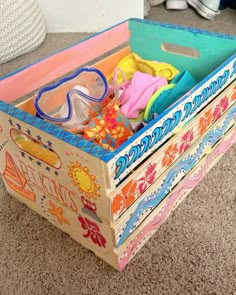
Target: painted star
pixel 18 126
pixel 48 168
pixel 58 212
pixel 38 163
pixel 39 137
pixel 49 143
pixel 28 132
pixel 10 121
pixel 22 154
pixel 56 173
pixel 30 158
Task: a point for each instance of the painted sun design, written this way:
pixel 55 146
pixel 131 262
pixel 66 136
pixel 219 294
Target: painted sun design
pixel 85 182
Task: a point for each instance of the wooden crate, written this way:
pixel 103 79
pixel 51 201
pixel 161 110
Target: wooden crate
pixel 110 201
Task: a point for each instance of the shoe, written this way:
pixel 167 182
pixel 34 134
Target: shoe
pixel 206 8
pixel 146 8
pixel 227 3
pixel 176 4
pixel 156 2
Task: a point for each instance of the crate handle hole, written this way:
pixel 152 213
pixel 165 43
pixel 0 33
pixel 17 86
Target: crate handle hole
pixel 35 148
pixel 180 50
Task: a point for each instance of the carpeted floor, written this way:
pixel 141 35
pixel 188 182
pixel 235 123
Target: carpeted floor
pixel 194 252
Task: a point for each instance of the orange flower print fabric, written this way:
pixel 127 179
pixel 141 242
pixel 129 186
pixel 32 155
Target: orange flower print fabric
pixel 125 198
pixel 109 129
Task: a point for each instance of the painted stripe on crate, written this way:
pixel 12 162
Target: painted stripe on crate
pixel 58 51
pixel 198 67
pixel 162 24
pixel 184 28
pixel 186 164
pixel 38 74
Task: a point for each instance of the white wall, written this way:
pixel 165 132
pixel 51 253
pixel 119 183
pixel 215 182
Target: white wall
pixel 88 15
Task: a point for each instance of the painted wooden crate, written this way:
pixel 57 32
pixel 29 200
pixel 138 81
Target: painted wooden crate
pixel 110 201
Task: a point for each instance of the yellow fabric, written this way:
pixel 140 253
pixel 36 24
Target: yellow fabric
pixel 133 63
pixel 138 119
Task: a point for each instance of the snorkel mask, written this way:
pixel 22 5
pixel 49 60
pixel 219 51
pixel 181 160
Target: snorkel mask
pixel 70 101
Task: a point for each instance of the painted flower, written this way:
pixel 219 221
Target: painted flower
pixel 224 103
pixel 205 121
pixel 93 231
pixel 217 112
pixel 125 198
pixel 148 178
pixel 220 108
pixel 186 141
pixel 170 155
pixel 234 94
pixel 58 213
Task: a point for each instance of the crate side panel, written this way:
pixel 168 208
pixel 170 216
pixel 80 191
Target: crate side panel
pixel 54 167
pixel 143 233
pixel 160 189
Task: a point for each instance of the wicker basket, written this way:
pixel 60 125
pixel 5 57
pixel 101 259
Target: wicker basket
pixel 22 27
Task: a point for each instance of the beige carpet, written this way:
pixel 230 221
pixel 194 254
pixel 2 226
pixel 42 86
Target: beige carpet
pixel 194 252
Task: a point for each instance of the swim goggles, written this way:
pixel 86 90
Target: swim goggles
pixel 69 101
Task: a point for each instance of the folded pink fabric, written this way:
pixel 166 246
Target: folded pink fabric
pixel 136 93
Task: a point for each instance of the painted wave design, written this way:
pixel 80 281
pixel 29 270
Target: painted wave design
pixel 188 184
pixel 187 164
